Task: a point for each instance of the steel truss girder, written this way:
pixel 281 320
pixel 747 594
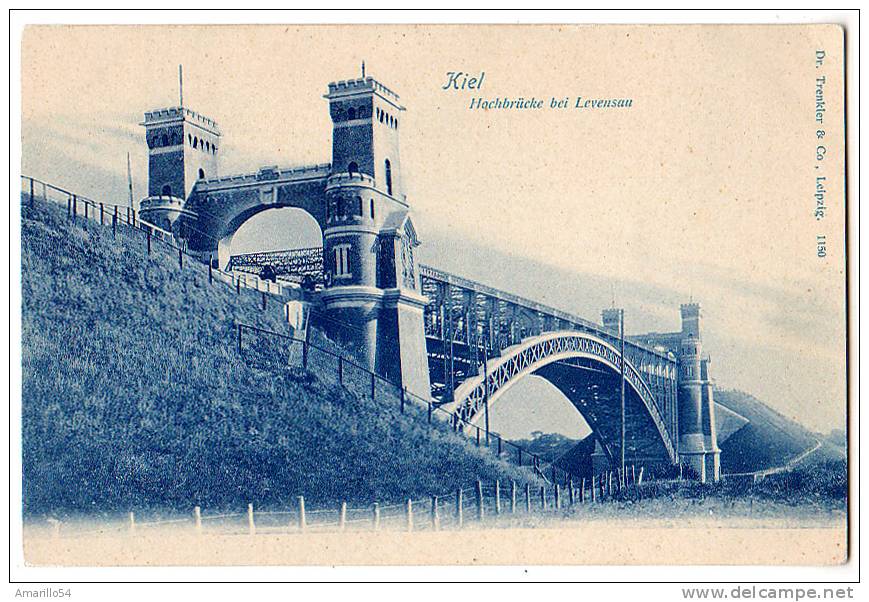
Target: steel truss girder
pixel 470 397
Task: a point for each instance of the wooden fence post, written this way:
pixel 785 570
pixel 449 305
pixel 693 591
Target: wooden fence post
pixel 497 496
pixel 557 496
pixel 251 528
pixel 435 518
pixel 571 494
pixel 429 411
pixel 403 393
pixel 180 259
pixel 459 513
pixel 409 512
pixel 512 497
pixel 640 477
pixel 115 223
pixel 478 436
pixel 633 475
pixel 593 490
pixel 302 519
pixel 479 492
pixel 210 273
pixel 499 444
pixel 31 191
pixel 543 497
pixel 69 206
pixel 342 516
pixel 74 206
pixel 582 491
pixel 528 498
pixel 375 516
pixel 102 215
pixel 132 523
pixel 197 519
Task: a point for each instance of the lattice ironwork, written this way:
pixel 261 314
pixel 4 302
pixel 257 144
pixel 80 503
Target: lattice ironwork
pixel 296 264
pixel 539 351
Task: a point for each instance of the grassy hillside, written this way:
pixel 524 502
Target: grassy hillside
pixel 768 440
pixel 134 395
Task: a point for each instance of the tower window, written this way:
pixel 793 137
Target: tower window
pixel 165 140
pixel 371 208
pixel 353 168
pixel 201 174
pixel 359 202
pixel 195 142
pixel 388 177
pixel 213 150
pixel 167 190
pixel 207 145
pixel 342 261
pixel 189 139
pixel 351 113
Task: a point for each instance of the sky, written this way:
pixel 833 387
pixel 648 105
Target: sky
pixel 690 194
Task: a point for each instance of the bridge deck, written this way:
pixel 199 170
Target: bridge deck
pixel 572 321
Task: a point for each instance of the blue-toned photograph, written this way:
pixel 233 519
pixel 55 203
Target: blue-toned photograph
pixel 334 295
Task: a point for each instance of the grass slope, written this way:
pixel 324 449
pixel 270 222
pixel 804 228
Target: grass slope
pixel 768 440
pixel 134 396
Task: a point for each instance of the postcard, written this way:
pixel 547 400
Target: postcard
pixel 332 295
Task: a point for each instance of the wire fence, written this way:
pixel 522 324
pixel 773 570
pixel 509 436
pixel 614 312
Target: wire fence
pixel 480 505
pixel 124 216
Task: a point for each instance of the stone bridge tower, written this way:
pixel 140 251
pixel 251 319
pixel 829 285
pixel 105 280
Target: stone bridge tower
pixel 698 446
pixel 182 149
pixel 372 296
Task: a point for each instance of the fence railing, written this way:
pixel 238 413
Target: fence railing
pixel 282 351
pixel 124 216
pixel 483 504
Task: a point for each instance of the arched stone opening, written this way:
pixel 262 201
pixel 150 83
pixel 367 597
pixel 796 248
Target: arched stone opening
pixel 267 229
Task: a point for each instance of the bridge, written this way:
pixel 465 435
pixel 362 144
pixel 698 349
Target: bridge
pixel 459 342
pixel 299 266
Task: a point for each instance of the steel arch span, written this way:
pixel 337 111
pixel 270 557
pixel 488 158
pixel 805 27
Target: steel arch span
pixel 585 368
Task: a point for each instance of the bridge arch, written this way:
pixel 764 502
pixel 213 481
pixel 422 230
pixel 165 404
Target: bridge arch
pixel 583 366
pixel 307 231
pixel 219 207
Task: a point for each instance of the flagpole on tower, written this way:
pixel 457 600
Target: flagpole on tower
pixel 180 86
pixel 363 69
